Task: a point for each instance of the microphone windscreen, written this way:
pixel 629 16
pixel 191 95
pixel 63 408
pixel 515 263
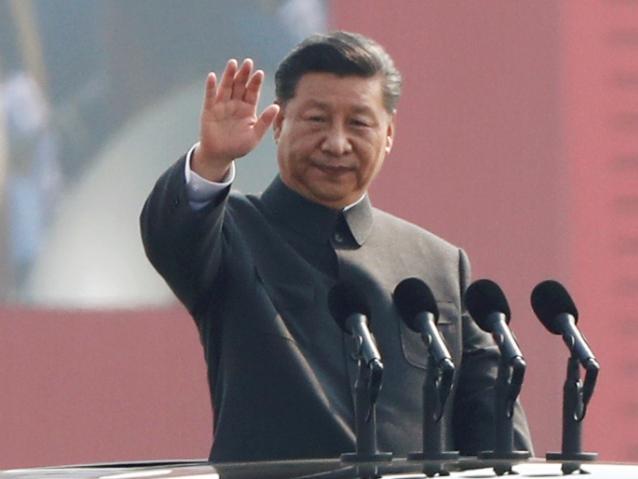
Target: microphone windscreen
pixel 484 297
pixel 411 297
pixel 549 300
pixel 344 300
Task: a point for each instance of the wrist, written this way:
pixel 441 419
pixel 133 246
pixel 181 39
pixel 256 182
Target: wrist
pixel 208 166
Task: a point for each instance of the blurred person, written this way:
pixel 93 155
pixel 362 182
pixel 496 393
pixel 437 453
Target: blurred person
pixel 33 178
pixel 32 175
pixel 4 160
pixel 255 271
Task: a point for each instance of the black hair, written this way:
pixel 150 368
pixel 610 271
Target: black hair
pixel 343 54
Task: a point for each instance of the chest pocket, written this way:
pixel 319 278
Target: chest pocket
pixel 414 349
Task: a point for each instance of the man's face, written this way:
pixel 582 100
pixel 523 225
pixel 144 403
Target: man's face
pixel 332 137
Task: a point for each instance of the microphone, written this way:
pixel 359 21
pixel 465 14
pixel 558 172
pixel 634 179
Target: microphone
pixel 349 308
pixel 556 310
pixel 487 304
pixel 417 306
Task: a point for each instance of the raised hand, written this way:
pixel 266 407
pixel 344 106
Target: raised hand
pixel 230 127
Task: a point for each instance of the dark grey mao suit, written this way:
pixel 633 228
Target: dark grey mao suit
pixel 255 272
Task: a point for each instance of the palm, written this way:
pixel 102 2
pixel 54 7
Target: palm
pixel 230 127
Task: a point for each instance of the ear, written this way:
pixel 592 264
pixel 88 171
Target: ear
pixel 278 122
pixel 389 137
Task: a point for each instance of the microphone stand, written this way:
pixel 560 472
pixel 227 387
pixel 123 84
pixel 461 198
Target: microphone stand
pixel 508 385
pixel 436 390
pixel 576 396
pixel 367 387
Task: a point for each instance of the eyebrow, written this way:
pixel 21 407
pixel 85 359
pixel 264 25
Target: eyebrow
pixel 326 106
pixel 315 104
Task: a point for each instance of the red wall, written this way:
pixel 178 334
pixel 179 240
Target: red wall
pixel 101 386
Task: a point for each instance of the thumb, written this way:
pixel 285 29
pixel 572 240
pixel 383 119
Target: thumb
pixel 265 120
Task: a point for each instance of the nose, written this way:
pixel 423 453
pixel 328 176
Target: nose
pixel 336 142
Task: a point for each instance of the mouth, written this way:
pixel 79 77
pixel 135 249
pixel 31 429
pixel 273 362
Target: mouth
pixel 333 169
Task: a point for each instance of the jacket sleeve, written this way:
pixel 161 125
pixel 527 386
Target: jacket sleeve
pixel 474 414
pixel 184 245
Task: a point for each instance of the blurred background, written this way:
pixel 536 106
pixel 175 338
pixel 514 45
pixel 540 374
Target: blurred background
pixel 517 139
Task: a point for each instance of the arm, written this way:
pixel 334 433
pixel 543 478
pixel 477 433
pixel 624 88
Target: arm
pixel 184 243
pixel 473 419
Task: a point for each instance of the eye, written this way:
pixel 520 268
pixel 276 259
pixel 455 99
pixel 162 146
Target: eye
pixel 360 123
pixel 316 119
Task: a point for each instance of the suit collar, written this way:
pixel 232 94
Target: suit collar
pixel 316 222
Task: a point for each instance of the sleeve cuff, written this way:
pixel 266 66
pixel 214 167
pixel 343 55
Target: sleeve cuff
pixel 201 191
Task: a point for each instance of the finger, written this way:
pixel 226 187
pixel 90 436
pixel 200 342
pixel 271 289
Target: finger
pixel 209 94
pixel 253 88
pixel 226 85
pixel 265 120
pixel 241 77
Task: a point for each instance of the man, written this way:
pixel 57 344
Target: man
pixel 254 272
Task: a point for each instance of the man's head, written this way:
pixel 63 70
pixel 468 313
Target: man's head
pixel 338 94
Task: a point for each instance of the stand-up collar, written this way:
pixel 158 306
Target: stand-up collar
pixel 315 221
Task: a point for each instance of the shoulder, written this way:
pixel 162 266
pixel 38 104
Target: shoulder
pixel 411 250
pixel 407 235
pixel 246 215
pixel 241 204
